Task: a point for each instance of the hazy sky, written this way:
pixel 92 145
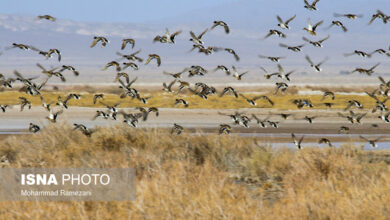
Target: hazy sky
pixel 249 21
pixel 109 10
pixel 183 11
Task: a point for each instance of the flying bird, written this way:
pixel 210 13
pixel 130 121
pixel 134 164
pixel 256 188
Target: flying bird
pixel 292 48
pixel 350 16
pixel 97 39
pixel 197 39
pixel 127 41
pixel 312 29
pixel 312 6
pixel 284 24
pixel 296 141
pixel 316 67
pixel 167 37
pixel 339 24
pixel 221 23
pixel 275 32
pixel 316 43
pixel 153 56
pixel 46 17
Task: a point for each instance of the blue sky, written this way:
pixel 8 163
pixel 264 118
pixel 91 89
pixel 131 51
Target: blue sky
pixel 185 11
pixel 138 11
pixel 249 21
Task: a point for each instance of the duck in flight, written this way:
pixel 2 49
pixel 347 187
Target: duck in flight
pixel 280 86
pixel 20 46
pixel 86 131
pixel 71 68
pixel 223 68
pixel 177 129
pixel 282 24
pixel 350 16
pixel 237 75
pixel 292 48
pixel 98 96
pixel 230 90
pixel 273 59
pixel 312 29
pixel 127 41
pixel 359 53
pixel 260 122
pixel 328 94
pixel 296 141
pixel 153 56
pixel 339 24
pixel 316 43
pixel 197 40
pixel 275 32
pixel 325 141
pixel 221 23
pixel 312 6
pixel 168 88
pixel 33 128
pixel 369 71
pixel 316 67
pixel 53 115
pixel 182 101
pixel 224 129
pixel 282 74
pixel 252 101
pixel 130 57
pixel 46 17
pixel 371 142
pixel 231 51
pixel 167 37
pixel 23 103
pixel 104 41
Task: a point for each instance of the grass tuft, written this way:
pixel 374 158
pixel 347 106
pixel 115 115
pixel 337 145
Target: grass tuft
pixel 192 176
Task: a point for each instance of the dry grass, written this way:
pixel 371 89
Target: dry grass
pixel 167 100
pixel 204 177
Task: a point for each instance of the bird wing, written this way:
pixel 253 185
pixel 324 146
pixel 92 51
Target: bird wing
pixel 326 59
pixel 307 40
pixel 289 20
pixel 94 42
pixel 124 42
pixel 176 33
pixel 279 19
pixel 226 28
pixel 280 69
pixel 317 24
pixel 243 73
pixel 148 60
pixel 283 45
pixel 242 95
pixel 364 138
pixel 309 60
pixel 200 35
pixel 193 35
pixel 136 52
pixel 376 65
pixel 326 38
pixel 158 60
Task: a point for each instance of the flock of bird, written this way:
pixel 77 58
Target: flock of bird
pixel 133 61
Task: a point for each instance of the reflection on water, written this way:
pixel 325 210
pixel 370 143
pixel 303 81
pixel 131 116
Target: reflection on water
pixel 284 139
pixel 380 145
pixel 13 132
pixel 311 140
